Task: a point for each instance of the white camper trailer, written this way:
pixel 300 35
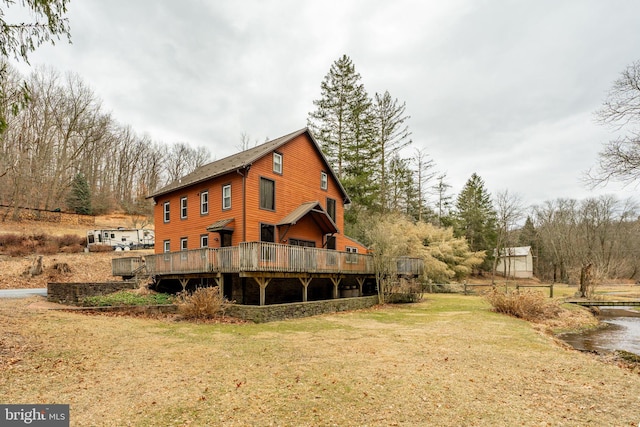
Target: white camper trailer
pixel 122 238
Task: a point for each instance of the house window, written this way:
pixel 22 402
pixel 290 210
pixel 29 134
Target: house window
pixel 204 203
pixel 183 248
pixel 267 194
pixel 331 242
pixel 268 234
pixel 300 242
pixel 331 208
pixel 277 163
pixel 204 240
pixel 165 212
pixel 226 196
pixel 183 208
pixel 166 245
pixel 352 255
pixel 323 180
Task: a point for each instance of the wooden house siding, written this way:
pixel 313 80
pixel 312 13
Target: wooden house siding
pixel 299 182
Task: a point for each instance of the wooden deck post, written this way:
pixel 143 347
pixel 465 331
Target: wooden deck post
pixel 336 283
pixel 262 282
pixel 360 283
pixel 184 283
pixel 305 284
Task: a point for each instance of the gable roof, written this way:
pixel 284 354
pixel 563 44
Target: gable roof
pixel 242 160
pixel 318 214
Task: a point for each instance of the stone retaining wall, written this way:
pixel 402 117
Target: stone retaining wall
pixel 270 313
pixel 74 293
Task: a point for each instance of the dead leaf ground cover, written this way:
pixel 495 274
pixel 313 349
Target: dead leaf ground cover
pixel 447 361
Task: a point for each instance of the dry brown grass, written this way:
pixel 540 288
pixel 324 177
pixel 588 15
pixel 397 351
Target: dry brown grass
pixel 448 361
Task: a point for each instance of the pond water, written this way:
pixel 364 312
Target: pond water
pixel 622 332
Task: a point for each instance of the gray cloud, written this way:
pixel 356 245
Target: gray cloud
pixel 504 89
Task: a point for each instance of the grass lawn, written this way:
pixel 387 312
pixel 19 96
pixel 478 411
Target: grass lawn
pixel 447 361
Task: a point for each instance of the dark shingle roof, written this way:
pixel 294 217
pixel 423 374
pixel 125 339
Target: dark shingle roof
pixel 240 161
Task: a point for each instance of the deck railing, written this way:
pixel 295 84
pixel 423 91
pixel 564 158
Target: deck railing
pixel 266 257
pixel 125 266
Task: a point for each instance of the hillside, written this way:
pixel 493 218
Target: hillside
pixel 85 267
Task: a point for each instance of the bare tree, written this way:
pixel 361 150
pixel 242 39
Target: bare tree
pixel 620 158
pixel 509 211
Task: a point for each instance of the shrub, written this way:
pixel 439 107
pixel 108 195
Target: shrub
pixel 70 240
pixel 203 303
pixel 527 305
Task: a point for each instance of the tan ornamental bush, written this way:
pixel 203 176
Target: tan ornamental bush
pixel 203 303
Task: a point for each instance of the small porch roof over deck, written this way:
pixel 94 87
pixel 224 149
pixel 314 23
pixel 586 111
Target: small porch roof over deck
pixel 316 212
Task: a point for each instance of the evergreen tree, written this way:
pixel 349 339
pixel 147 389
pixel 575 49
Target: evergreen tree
pixel 476 218
pixel 79 199
pixel 528 234
pixel 441 189
pixel 343 123
pixel 392 134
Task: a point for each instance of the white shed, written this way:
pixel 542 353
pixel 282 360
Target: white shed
pixel 516 262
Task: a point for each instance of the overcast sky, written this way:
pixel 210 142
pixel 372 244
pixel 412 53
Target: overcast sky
pixel 506 89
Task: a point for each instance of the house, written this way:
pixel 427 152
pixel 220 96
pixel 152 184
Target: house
pixel 515 262
pixel 265 224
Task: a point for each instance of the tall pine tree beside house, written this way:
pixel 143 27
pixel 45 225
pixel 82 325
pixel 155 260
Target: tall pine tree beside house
pixel 344 125
pixel 475 218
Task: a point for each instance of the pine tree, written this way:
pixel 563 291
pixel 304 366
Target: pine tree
pixel 392 134
pixel 79 199
pixel 344 125
pixel 476 218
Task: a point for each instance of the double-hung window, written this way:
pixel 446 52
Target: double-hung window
pixel 165 212
pixel 331 208
pixel 183 208
pixel 277 163
pixel 267 194
pixel 226 196
pixel 324 180
pixel 204 203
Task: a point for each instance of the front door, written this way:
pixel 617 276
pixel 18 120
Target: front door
pixel 225 239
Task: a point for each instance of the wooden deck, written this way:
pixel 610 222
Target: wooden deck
pixel 260 258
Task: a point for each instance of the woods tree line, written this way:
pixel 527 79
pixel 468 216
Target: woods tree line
pixel 61 134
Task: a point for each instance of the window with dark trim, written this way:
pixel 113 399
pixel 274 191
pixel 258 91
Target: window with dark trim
pixel 166 212
pixel 324 181
pixel 204 203
pixel 300 242
pixel 267 194
pixel 277 163
pixel 183 208
pixel 268 234
pixel 226 196
pixel 331 208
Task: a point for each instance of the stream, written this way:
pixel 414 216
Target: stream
pixel 621 332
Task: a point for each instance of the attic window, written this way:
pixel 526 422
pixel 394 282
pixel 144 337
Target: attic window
pixel 277 163
pixel 323 180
